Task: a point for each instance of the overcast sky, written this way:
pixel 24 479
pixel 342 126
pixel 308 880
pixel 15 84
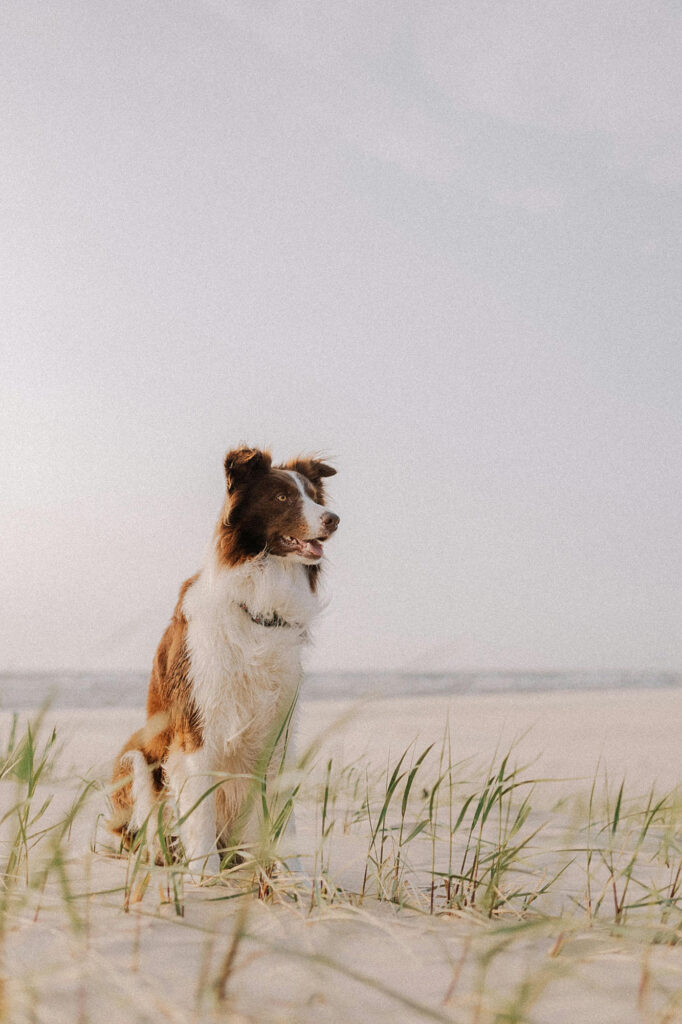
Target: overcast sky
pixel 439 242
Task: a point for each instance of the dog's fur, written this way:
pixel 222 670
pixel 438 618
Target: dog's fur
pixel 228 667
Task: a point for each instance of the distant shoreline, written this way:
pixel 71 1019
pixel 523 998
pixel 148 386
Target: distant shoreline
pixel 22 691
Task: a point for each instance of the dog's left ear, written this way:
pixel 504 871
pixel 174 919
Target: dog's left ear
pixel 244 463
pixel 315 471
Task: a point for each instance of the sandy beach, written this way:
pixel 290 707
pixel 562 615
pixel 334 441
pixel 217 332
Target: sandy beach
pixel 83 943
pixel 635 733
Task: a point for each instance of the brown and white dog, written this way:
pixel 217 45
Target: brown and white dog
pixel 228 667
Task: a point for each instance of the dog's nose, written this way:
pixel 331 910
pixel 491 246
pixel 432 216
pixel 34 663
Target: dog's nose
pixel 330 521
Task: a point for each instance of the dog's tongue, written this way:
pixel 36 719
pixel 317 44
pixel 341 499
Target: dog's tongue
pixel 311 549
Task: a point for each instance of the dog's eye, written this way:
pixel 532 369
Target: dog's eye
pixel 281 497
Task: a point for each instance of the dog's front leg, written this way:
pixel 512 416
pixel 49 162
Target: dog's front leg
pixel 249 828
pixel 191 782
pixel 281 800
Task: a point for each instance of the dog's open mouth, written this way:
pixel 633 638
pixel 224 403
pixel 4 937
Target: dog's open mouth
pixel 307 548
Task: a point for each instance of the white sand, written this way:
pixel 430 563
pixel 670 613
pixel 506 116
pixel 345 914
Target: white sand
pixel 633 733
pixel 147 965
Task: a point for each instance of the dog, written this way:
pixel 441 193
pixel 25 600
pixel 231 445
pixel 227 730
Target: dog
pixel 227 670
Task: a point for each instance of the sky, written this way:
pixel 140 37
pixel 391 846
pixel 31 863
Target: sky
pixel 439 243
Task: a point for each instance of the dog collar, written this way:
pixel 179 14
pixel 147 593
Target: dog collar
pixel 260 620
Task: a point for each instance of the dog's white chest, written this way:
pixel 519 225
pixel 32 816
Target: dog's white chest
pixel 244 674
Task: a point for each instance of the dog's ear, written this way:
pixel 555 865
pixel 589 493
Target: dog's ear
pixel 312 468
pixel 244 463
pixel 315 471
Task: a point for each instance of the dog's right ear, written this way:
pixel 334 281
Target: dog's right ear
pixel 242 463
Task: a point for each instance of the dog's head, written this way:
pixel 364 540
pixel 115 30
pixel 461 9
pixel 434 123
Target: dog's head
pixel 275 510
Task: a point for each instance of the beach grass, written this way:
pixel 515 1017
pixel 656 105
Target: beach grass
pixel 516 898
